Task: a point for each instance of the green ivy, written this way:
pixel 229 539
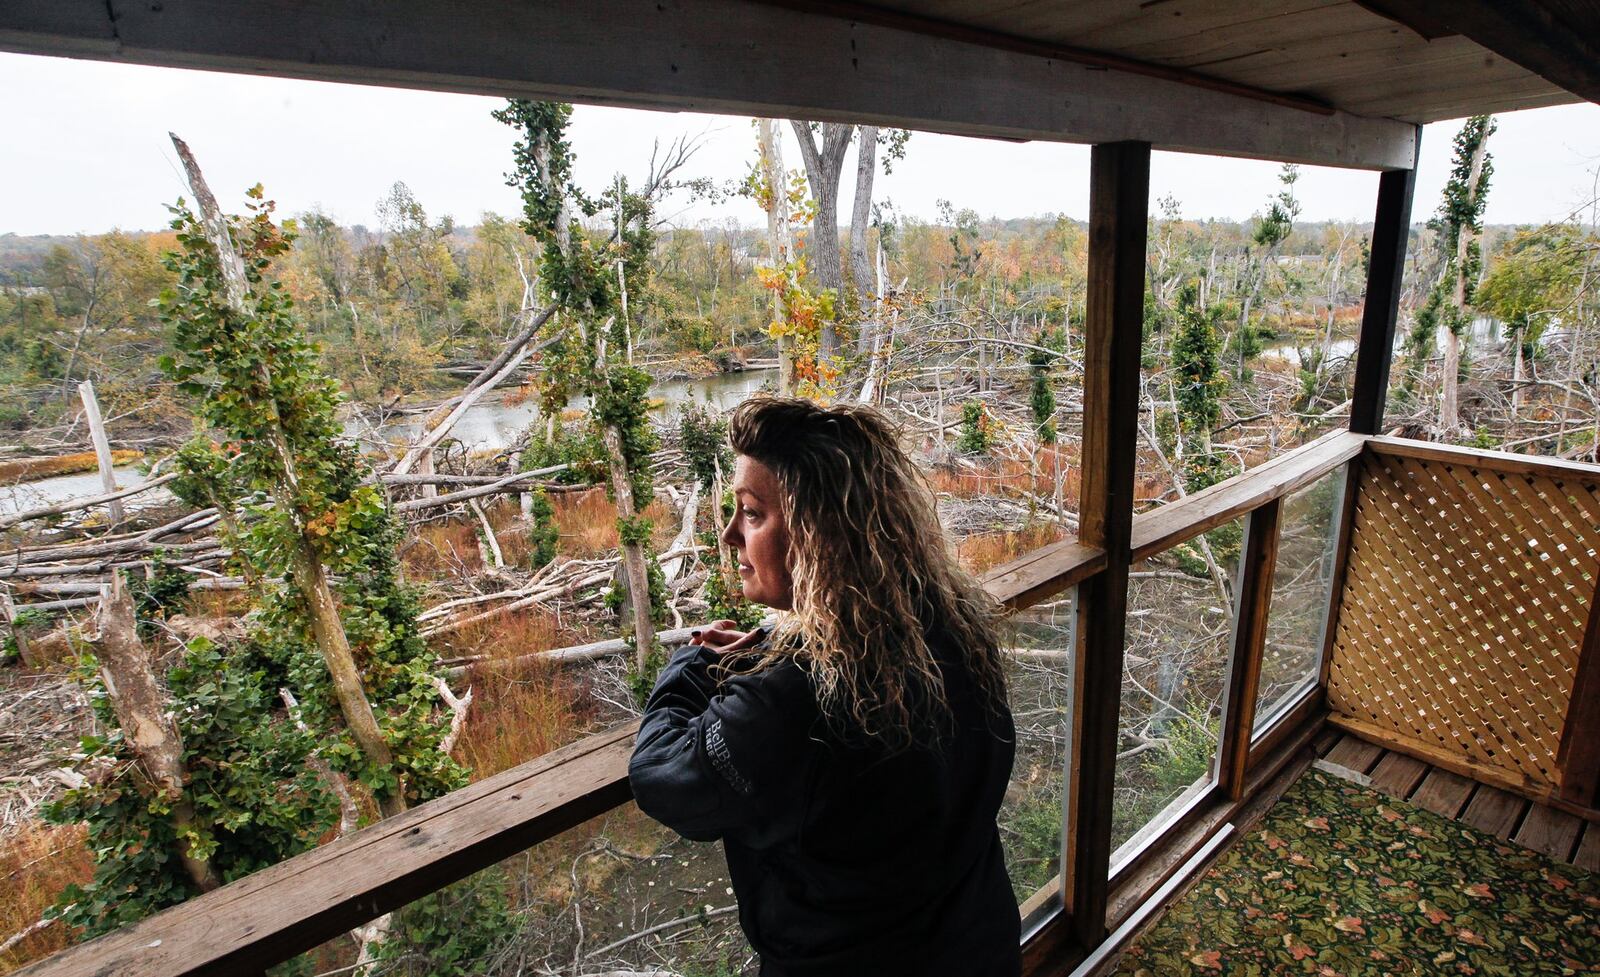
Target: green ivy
pixel 258 382
pixel 256 802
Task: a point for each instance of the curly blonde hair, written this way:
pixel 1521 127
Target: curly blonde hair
pixel 874 580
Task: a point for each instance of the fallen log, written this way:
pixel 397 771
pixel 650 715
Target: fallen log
pixel 74 505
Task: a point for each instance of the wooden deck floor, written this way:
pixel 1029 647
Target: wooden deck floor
pixel 1557 834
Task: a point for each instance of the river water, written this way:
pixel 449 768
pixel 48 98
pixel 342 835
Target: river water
pixel 490 424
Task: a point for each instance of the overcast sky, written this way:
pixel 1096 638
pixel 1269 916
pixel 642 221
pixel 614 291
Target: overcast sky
pixel 85 149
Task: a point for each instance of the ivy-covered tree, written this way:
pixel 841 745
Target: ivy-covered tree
pixel 1261 263
pixel 1198 384
pixel 590 280
pixel 1458 223
pixel 342 633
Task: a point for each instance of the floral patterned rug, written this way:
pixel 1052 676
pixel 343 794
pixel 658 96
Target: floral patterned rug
pixel 1340 880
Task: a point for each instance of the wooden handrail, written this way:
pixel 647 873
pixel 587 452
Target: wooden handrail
pixel 1161 530
pixel 1495 461
pixel 281 911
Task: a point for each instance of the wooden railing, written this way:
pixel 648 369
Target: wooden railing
pixel 285 910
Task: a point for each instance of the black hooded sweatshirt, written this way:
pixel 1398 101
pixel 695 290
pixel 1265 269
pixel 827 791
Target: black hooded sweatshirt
pixel 846 859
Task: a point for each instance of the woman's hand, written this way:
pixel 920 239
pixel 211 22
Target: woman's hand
pixel 725 635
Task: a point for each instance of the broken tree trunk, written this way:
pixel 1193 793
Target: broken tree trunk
pixel 307 572
pixel 144 712
pixel 102 446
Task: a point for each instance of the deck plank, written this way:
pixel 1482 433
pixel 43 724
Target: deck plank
pixel 1588 857
pixel 1494 811
pixel 1443 793
pixel 1398 774
pixel 1549 831
pixel 1355 753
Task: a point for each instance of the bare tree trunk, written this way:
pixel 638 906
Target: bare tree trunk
pixel 309 576
pixel 823 167
pixel 1516 372
pixel 102 446
pixel 633 558
pixel 860 220
pixel 1449 396
pixel 144 711
pixel 778 244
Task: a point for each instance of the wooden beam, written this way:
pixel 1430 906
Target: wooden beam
pixel 1578 756
pixel 936 27
pixel 1391 227
pixel 281 911
pixel 729 56
pixel 1559 40
pixel 1119 191
pixel 1252 604
pixel 1346 514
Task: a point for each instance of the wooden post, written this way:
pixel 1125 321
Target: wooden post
pixel 1578 756
pixel 1119 190
pixel 1251 606
pixel 1375 349
pixel 102 446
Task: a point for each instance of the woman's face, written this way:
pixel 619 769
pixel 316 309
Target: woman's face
pixel 758 531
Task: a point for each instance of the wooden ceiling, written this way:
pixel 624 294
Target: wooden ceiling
pixel 1332 82
pixel 1335 52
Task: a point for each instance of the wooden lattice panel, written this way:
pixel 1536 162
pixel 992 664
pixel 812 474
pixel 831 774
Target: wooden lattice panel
pixel 1463 610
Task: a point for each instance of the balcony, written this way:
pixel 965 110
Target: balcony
pixel 1417 614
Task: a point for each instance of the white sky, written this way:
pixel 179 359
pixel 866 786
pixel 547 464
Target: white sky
pixel 83 147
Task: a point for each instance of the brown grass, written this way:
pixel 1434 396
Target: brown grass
pixel 37 862
pixel 984 551
pixel 441 549
pixel 30 469
pixel 520 712
pixel 994 476
pixel 587 522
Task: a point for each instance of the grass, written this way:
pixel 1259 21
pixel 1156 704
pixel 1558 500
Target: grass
pixel 587 522
pixel 442 549
pixel 984 551
pixel 38 861
pixel 993 475
pixel 520 712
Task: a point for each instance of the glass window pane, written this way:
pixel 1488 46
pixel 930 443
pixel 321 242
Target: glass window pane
pixel 1180 611
pixel 619 893
pixel 1039 684
pixel 1306 539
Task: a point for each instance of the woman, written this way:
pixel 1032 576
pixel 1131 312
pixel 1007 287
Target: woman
pixel 853 760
